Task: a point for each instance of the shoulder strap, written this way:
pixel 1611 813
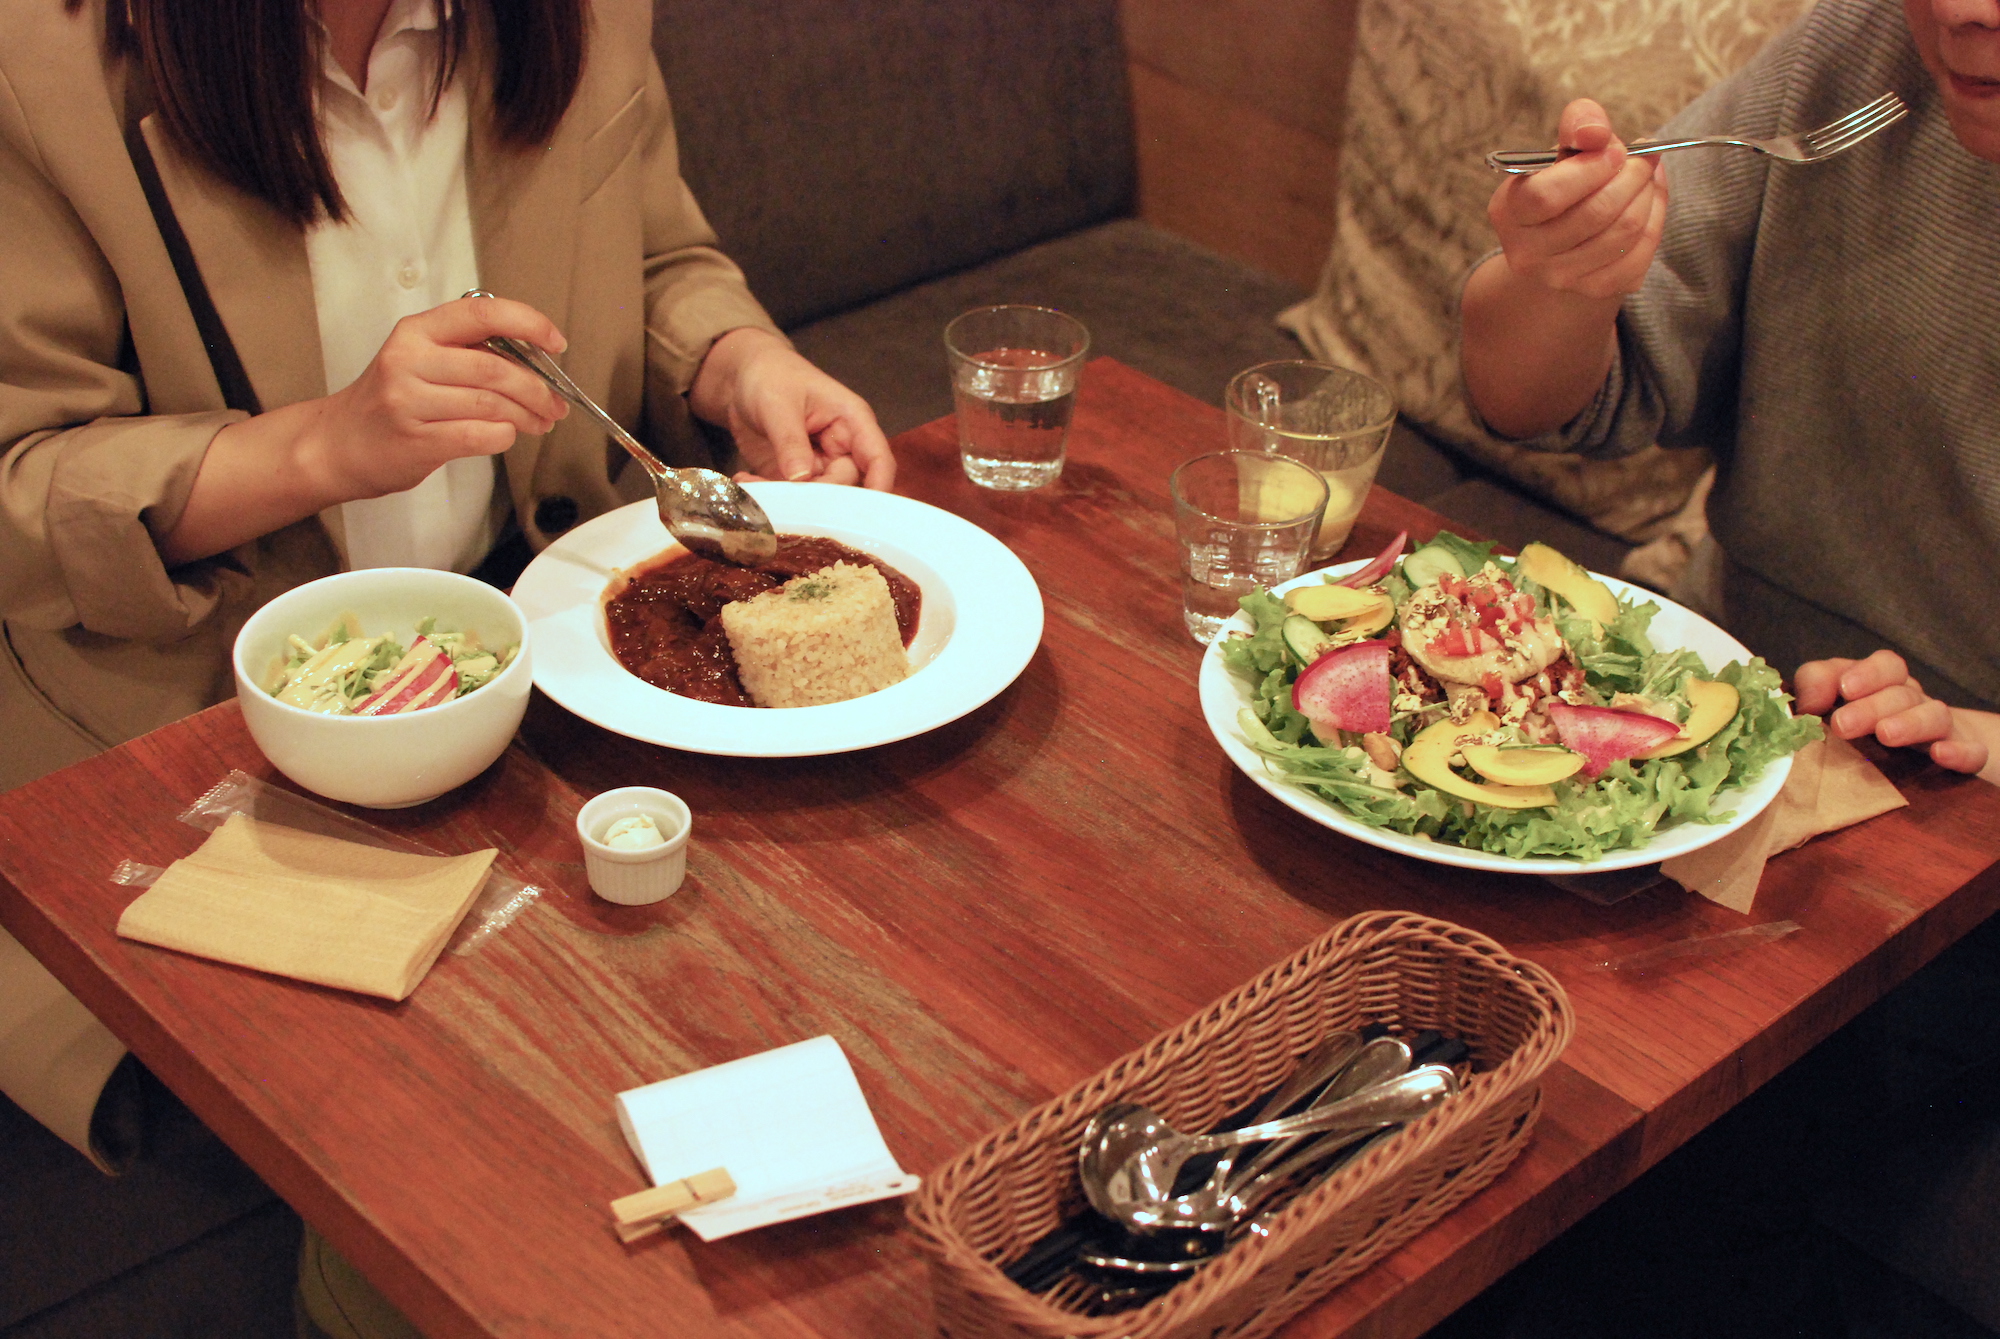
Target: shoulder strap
pixel 237 391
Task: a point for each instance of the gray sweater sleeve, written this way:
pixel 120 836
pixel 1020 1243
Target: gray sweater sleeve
pixel 1674 377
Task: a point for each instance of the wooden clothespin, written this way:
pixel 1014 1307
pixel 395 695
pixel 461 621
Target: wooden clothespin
pixel 642 1214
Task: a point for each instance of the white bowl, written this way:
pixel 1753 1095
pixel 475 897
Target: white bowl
pixel 385 762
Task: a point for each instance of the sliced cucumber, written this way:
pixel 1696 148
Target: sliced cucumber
pixel 1304 639
pixel 1255 733
pixel 1428 563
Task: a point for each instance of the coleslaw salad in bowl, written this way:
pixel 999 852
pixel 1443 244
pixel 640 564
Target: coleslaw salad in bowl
pixel 1555 703
pixel 391 760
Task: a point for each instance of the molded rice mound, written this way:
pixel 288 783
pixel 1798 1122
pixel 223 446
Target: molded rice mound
pixel 824 637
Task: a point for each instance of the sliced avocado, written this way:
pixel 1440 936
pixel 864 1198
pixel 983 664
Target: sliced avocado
pixel 1324 604
pixel 1713 706
pixel 1538 766
pixel 1428 759
pixel 1555 572
pixel 1374 621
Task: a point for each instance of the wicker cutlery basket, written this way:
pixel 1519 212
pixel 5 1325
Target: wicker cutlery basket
pixel 985 1207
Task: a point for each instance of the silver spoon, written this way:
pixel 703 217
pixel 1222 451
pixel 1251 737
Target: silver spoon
pixel 1248 1193
pixel 1320 1067
pixel 707 511
pixel 1354 1068
pixel 1242 1211
pixel 1379 1061
pixel 1132 1162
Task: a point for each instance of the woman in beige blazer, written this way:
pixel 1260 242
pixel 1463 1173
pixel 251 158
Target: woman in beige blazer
pixel 151 488
pixel 109 402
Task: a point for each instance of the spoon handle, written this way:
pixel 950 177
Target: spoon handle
pixel 1248 1195
pixel 1422 1086
pixel 1316 1070
pixel 538 361
pixel 1381 1059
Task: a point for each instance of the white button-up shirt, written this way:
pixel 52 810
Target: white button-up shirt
pixel 406 247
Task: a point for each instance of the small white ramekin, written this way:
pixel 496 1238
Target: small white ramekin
pixel 635 877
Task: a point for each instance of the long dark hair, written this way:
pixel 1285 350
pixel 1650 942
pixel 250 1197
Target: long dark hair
pixel 236 90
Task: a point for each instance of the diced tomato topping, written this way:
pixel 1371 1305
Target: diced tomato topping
pixel 1462 641
pixel 1492 686
pixel 1524 606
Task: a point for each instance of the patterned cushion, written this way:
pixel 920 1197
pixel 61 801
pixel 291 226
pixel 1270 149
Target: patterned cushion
pixel 1436 85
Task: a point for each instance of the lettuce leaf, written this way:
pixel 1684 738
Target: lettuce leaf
pixel 1766 729
pixel 1471 554
pixel 1341 775
pixel 1264 649
pixel 1613 659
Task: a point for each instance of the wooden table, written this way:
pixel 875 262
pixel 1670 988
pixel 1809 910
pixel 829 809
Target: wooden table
pixel 982 916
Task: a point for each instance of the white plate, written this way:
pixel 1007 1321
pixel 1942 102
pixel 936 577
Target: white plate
pixel 1223 694
pixel 980 623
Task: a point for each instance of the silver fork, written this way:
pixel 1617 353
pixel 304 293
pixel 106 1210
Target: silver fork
pixel 1810 147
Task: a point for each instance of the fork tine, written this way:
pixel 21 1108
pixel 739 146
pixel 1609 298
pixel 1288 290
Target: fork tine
pixel 1853 135
pixel 1863 112
pixel 1860 132
pixel 1862 121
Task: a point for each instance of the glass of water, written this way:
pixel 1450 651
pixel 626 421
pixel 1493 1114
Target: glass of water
pixel 1244 519
pixel 1014 372
pixel 1328 418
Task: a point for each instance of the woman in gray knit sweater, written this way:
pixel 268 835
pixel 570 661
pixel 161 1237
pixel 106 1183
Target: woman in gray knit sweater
pixel 1828 330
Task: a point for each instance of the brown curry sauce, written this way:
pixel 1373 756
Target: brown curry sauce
pixel 664 615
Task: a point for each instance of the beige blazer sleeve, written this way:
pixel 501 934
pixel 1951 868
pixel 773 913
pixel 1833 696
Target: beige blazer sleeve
pixel 108 400
pixel 92 469
pixel 694 293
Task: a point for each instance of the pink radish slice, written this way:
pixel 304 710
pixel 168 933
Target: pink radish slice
pixel 1603 735
pixel 1347 689
pixel 1378 566
pixel 423 678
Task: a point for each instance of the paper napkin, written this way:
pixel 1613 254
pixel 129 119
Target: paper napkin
pixel 790 1125
pixel 298 904
pixel 1831 786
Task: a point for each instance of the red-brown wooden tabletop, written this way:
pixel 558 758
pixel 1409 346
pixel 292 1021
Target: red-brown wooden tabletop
pixel 982 916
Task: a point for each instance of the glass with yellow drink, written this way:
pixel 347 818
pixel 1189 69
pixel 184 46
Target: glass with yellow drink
pixel 1327 418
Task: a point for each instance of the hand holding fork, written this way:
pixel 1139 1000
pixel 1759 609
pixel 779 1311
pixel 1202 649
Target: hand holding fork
pixel 1592 228
pixel 1811 146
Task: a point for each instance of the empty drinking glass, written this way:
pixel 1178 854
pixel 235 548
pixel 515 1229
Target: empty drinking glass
pixel 1244 519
